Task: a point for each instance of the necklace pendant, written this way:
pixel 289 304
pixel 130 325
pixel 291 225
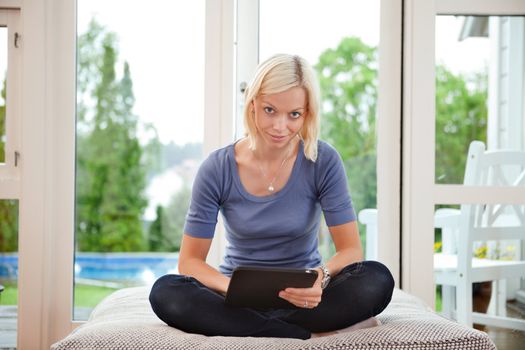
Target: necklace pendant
pixel 270 188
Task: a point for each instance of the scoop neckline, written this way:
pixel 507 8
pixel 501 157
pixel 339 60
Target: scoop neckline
pixel 273 196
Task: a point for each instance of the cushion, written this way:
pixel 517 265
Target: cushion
pixel 124 320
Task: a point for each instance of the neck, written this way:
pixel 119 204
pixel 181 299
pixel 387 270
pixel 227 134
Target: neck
pixel 270 155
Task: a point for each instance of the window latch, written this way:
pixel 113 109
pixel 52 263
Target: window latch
pixel 242 87
pixel 17 155
pixel 17 38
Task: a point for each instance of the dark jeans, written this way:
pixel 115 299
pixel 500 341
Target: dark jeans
pixel 360 291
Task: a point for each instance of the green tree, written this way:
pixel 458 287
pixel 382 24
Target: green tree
pixel 157 231
pixel 8 225
pixel 348 80
pixel 165 232
pixel 461 117
pixel 8 208
pixel 110 172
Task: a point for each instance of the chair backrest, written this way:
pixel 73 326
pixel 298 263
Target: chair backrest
pixel 493 221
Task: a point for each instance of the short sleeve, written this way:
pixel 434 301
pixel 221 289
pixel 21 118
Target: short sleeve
pixel 201 218
pixel 333 188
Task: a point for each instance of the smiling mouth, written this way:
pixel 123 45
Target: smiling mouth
pixel 278 138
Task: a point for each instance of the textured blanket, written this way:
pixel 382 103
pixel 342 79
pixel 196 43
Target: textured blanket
pixel 124 320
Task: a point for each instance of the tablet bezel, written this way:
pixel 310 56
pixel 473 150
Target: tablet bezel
pixel 259 287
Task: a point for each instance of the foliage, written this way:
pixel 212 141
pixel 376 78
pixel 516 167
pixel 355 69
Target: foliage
pixel 348 80
pixel 166 231
pixel 461 117
pixel 8 225
pixel 8 208
pixel 110 174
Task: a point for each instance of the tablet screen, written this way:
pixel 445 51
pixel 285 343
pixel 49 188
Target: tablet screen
pixel 259 287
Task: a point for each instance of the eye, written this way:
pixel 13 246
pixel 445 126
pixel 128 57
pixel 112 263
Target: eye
pixel 268 110
pixel 295 115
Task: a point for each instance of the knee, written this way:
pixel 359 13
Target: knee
pixel 383 281
pixel 163 293
pixel 381 274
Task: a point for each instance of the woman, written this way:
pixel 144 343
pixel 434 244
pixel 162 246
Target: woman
pixel 271 187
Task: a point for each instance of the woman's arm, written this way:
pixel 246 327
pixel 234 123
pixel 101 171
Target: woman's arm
pixel 347 246
pixel 348 250
pixel 192 262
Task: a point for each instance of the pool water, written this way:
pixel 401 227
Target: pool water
pixel 118 267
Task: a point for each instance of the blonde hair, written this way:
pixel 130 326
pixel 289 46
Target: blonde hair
pixel 277 74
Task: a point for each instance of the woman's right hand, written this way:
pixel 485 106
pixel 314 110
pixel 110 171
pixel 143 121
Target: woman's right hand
pixel 308 298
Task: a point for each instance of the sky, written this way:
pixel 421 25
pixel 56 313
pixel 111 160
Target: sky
pixel 164 45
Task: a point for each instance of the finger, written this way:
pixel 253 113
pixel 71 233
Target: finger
pixel 301 291
pixel 297 293
pixel 314 297
pixel 301 301
pixel 304 303
pixel 295 302
pixel 305 291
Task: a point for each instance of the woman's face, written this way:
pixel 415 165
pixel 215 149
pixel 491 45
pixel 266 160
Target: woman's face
pixel 280 117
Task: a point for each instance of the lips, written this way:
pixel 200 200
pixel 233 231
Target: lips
pixel 278 138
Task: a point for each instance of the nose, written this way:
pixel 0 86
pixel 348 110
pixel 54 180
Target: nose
pixel 279 122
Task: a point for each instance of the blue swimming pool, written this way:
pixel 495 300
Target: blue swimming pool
pixel 118 267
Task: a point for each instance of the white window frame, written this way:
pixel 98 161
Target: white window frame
pixel 388 110
pixel 10 182
pixel 47 182
pixel 9 172
pixel 47 217
pixel 420 193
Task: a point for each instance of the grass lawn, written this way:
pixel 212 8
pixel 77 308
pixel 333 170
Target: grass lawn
pixel 90 296
pixel 85 296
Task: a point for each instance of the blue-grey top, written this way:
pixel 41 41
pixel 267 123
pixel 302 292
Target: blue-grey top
pixel 278 230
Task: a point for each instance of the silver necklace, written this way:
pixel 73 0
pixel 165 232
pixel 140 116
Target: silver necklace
pixel 270 185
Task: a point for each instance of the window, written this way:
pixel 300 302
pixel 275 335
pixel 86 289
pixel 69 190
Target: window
pixel 9 175
pixel 343 48
pixel 140 105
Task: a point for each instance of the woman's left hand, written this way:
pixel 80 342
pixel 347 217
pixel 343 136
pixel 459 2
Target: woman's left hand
pixel 307 298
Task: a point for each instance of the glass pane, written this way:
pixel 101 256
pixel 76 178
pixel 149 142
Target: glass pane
pixel 488 248
pixel 8 272
pixel 340 38
pixel 140 98
pixel 3 79
pixel 480 69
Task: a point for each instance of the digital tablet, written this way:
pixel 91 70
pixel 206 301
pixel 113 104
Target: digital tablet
pixel 259 287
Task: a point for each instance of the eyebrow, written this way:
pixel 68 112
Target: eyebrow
pixel 295 109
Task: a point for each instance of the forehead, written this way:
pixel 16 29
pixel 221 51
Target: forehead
pixel 292 98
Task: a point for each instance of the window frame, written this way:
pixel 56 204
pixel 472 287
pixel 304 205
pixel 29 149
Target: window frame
pixel 388 107
pixel 419 139
pixel 9 173
pixel 47 184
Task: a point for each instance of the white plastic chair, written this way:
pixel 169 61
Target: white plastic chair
pixel 456 268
